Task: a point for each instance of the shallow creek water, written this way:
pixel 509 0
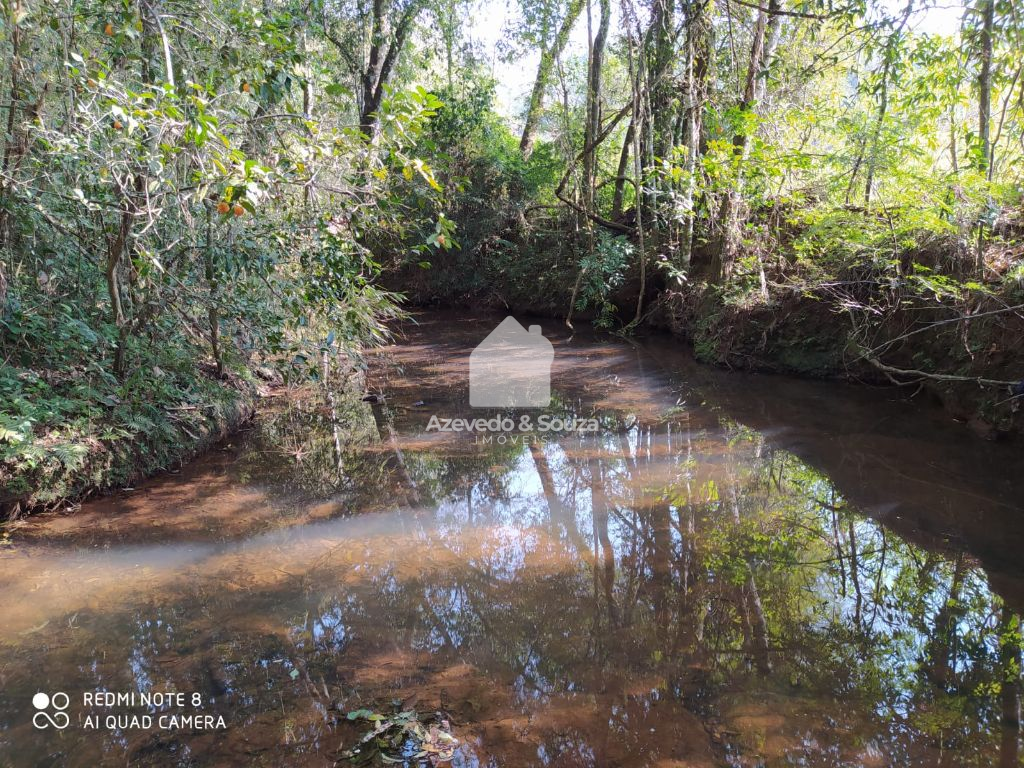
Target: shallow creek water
pixel 734 570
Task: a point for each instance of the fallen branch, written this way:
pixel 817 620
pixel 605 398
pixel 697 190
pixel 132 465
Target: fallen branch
pixel 939 376
pixel 597 219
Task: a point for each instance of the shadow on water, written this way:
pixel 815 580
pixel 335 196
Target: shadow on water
pixel 733 570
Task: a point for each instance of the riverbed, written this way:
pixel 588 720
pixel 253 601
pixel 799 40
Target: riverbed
pixel 698 568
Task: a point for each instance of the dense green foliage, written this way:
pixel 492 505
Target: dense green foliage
pixel 192 187
pixel 792 143
pixel 180 201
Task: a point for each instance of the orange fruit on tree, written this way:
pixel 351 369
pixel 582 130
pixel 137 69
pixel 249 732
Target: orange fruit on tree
pixel 118 125
pixel 108 30
pixel 238 210
pixel 246 88
pixel 223 207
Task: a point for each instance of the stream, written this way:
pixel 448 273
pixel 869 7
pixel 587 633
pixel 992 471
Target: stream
pixel 726 569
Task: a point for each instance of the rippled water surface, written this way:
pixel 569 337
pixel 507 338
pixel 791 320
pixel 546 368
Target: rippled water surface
pixel 732 571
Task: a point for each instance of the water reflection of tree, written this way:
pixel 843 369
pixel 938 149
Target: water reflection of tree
pixel 658 566
pixel 749 572
pixel 308 448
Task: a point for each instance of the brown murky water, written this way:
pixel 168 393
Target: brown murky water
pixel 732 571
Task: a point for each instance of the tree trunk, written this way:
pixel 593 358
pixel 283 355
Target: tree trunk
pixel 985 87
pixel 891 49
pixel 12 148
pixel 620 175
pixel 662 91
pixel 213 312
pixel 592 128
pixel 766 32
pixel 385 47
pixel 985 114
pixel 638 122
pixel 548 56
pixel 698 57
pixel 114 256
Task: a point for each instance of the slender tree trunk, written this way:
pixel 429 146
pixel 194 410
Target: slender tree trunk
pixel 592 128
pixel 638 122
pixel 133 198
pixel 149 13
pixel 641 245
pixel 663 57
pixel 621 171
pixel 954 158
pixel 985 86
pixel 663 110
pixel 115 253
pixel 985 114
pixel 698 53
pixel 548 56
pixel 449 16
pixel 662 89
pixel 12 148
pixel 213 312
pixel 766 32
pixel 869 147
pixel 876 134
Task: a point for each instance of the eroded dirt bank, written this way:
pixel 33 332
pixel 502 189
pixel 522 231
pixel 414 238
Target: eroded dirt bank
pixel 808 334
